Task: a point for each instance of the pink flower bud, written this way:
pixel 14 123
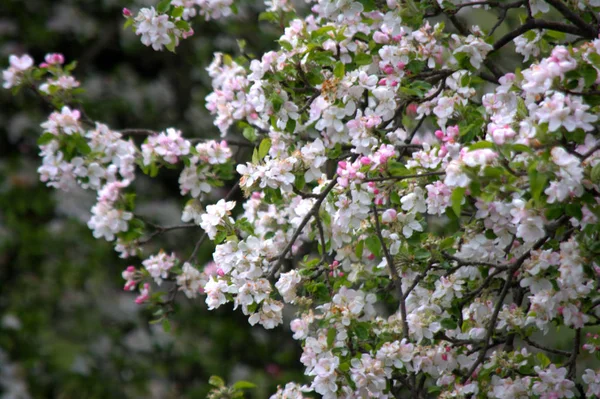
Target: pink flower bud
pixel 127 13
pixel 382 82
pixel 371 257
pixel 187 34
pixel 389 215
pixel 400 65
pixel 388 69
pixel 220 272
pixel 412 109
pixel 439 134
pixel 341 274
pixel 365 160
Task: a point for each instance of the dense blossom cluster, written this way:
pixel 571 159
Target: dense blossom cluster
pixel 423 213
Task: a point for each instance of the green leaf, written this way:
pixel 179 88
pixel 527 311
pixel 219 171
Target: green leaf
pixel 359 249
pixel 166 325
pixel 340 70
pixel 163 6
pixel 276 101
pixel 243 385
pixel 182 25
pixel 450 324
pixel 46 138
pixel 537 182
pixel 331 333
pixel 172 44
pixel 363 59
pixel 177 12
pixel 574 210
pixel 374 245
pixel 594 58
pixel 542 359
pixel 216 381
pixel 480 145
pixel 362 331
pixel 369 5
pixel 263 148
pixel 250 134
pixel 589 74
pixel 594 175
pixel 456 199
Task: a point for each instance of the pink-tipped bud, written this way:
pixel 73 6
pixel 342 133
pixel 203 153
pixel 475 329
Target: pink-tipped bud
pixel 54 59
pixel 127 12
pixel 400 65
pixel 365 160
pixel 445 357
pixel 130 269
pixel 256 195
pixel 335 263
pixel 389 215
pixel 220 272
pixel 382 82
pixel 439 134
pixel 371 257
pixel 331 274
pixel 412 109
pixel 388 69
pixel 187 34
pixel 341 274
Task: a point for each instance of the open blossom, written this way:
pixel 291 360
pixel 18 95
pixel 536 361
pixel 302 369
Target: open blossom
pixel 214 152
pixel 215 216
pixel 290 391
pixel 154 28
pixel 190 280
pixel 108 220
pixel 286 285
pixel 12 76
pixel 367 114
pixel 215 290
pixel 168 146
pixel 159 265
pixel 66 121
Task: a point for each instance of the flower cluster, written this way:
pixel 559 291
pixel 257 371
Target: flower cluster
pixel 422 212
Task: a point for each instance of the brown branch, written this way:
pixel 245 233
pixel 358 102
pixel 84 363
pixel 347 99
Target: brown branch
pixel 394 273
pixel 572 16
pixel 313 211
pixel 545 348
pixel 398 178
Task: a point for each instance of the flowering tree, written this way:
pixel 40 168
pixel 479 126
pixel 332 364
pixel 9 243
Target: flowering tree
pixel 423 211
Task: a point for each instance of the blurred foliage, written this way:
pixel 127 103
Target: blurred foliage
pixel 67 330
